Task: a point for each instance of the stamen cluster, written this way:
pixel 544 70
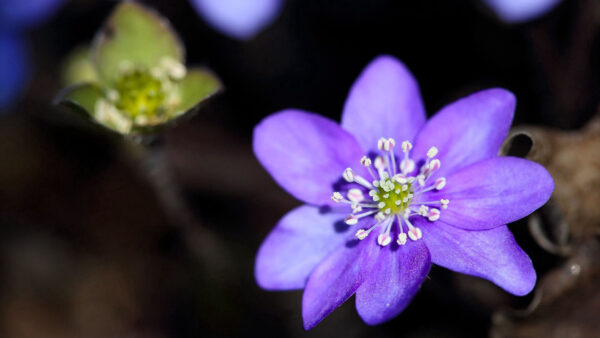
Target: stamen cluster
pixel 141 96
pixel 392 190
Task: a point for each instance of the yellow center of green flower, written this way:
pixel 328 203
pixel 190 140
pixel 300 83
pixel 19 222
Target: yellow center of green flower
pixel 139 93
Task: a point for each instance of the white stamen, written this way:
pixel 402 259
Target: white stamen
pixel 415 233
pixel 432 152
pixel 423 210
pixel 434 165
pixel 381 143
pixel 421 180
pixel 384 239
pixel 390 144
pixel 407 165
pixel 406 146
pixel 362 234
pixel 355 195
pixel 444 203
pixel 379 216
pixel 401 239
pixel 433 214
pixel 348 175
pixel 399 178
pixel 365 161
pixel 351 220
pixel 440 183
pixel 337 197
pixel 381 205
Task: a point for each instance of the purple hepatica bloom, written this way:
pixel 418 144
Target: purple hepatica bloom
pixel 375 229
pixel 517 11
pixel 240 19
pixel 16 15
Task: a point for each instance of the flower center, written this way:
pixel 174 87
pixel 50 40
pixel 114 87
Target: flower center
pixel 140 93
pixel 142 97
pixel 396 193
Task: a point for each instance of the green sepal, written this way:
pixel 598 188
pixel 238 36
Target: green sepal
pixel 135 34
pixel 78 67
pixel 82 97
pixel 198 85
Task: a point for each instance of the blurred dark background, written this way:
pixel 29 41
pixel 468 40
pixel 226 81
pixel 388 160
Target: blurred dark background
pixel 90 249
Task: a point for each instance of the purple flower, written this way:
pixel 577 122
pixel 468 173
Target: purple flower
pixel 517 11
pixel 240 19
pixel 379 210
pixel 16 15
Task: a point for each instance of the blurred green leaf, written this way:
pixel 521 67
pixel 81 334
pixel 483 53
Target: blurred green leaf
pixel 134 34
pixel 83 96
pixel 197 86
pixel 78 67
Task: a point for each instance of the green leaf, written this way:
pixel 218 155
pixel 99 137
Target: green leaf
pixel 197 86
pixel 136 35
pixel 78 67
pixel 83 96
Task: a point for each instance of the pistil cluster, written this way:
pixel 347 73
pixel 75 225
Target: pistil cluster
pixel 392 192
pixel 141 96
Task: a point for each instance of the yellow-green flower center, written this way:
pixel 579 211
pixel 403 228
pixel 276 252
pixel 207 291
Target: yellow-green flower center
pixel 396 200
pixel 139 93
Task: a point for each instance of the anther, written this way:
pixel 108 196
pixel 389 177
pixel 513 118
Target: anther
pixel 337 197
pixel 351 220
pixel 432 152
pixel 384 239
pixel 355 195
pixel 348 175
pixel 415 233
pixel 444 203
pixel 407 165
pixel 433 214
pixel 365 161
pixel 440 183
pixel 361 234
pixel 406 146
pixel 401 239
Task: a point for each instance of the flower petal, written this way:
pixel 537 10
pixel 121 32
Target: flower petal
pixel 18 14
pixel 468 130
pixel 491 254
pixel 240 19
pixel 305 153
pixel 384 102
pixel 494 192
pixel 393 281
pixel 301 240
pixel 13 67
pixel 336 279
pixel 517 11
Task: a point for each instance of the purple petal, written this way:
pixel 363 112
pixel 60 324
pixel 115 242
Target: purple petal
pixel 491 254
pixel 393 282
pixel 305 153
pixel 384 102
pixel 240 19
pixel 516 11
pixel 21 13
pixel 468 130
pixel 301 240
pixel 336 279
pixel 494 192
pixel 13 67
